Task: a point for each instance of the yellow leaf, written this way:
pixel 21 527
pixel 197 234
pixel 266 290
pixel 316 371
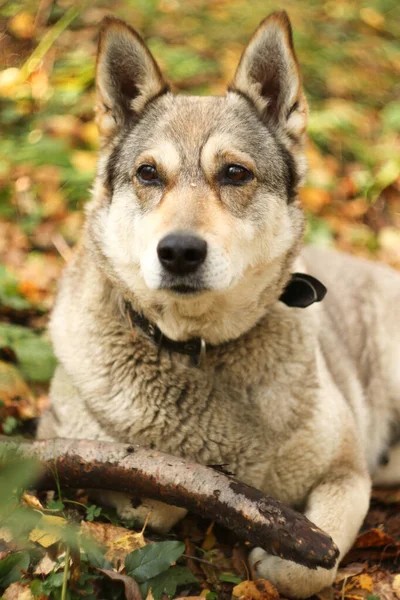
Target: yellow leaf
pixel 83 160
pixel 260 589
pixel 9 80
pixel 22 25
pixel 118 540
pixel 396 585
pixel 372 18
pixel 89 133
pixel 366 582
pixel 210 539
pixel 32 501
pixel 48 531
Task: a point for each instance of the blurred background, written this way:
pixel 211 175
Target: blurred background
pixel 350 57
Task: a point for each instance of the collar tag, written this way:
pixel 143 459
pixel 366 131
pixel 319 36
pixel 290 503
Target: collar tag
pixel 303 290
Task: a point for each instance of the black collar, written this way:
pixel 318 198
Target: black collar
pixel 301 291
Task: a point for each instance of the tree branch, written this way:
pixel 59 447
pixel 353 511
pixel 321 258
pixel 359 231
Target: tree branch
pixel 259 519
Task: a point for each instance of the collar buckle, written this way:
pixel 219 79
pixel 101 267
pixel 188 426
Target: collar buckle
pixel 202 354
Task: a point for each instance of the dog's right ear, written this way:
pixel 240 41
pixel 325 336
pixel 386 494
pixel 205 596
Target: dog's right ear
pixel 127 76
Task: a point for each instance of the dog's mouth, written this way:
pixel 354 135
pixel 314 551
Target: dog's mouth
pixel 185 290
pixel 183 286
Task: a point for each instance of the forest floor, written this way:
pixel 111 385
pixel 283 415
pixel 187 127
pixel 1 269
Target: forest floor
pixel 350 58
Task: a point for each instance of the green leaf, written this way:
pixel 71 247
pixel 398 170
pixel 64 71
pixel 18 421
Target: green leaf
pixel 36 587
pixel 150 561
pixel 11 566
pixel 9 293
pixel 167 582
pixel 10 425
pixel 55 505
pixel 35 356
pixel 92 511
pixel 54 580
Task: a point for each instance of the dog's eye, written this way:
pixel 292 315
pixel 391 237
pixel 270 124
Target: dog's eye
pixel 236 175
pixel 148 174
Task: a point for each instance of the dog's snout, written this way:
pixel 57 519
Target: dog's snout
pixel 181 253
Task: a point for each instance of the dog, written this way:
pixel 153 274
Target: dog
pixel 188 319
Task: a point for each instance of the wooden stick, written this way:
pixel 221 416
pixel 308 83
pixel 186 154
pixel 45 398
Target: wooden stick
pixel 259 519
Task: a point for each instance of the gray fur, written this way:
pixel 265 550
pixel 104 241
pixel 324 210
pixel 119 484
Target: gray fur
pixel 300 403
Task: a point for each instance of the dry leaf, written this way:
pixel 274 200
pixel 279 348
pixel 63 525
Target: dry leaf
pixel 118 540
pixel 45 565
pixel 17 591
pixel 132 591
pixel 210 539
pixel 5 535
pixel 396 585
pixel 260 589
pixel 374 538
pixel 365 582
pixel 350 570
pixel 22 25
pixel 48 531
pixel 17 398
pixel 32 501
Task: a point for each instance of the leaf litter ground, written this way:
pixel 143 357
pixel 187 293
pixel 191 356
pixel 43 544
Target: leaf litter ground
pixel 351 63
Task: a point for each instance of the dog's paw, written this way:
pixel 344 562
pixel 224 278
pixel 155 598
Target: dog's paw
pixel 161 517
pixel 290 579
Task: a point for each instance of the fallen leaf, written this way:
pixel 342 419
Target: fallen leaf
pixel 374 538
pixel 365 582
pixel 132 591
pixel 210 539
pixel 48 531
pixel 315 199
pixel 5 535
pixel 396 585
pixel 17 398
pixel 260 589
pixel 350 570
pixel 18 591
pixel 84 161
pixel 118 540
pixel 45 565
pixel 32 501
pixel 22 25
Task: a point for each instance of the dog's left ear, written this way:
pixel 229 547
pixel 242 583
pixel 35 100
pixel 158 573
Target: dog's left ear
pixel 268 74
pixel 127 76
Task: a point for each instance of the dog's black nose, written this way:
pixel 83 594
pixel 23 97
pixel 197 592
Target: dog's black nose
pixel 181 253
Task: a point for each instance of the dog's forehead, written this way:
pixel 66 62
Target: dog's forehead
pixel 191 124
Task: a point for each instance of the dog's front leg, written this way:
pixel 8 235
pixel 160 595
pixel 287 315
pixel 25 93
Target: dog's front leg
pixel 338 506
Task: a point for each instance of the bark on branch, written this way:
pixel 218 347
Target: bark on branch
pixel 259 519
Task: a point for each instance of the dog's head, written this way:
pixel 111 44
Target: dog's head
pixel 195 207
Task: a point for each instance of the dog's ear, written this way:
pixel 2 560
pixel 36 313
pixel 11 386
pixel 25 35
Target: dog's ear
pixel 268 74
pixel 127 76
